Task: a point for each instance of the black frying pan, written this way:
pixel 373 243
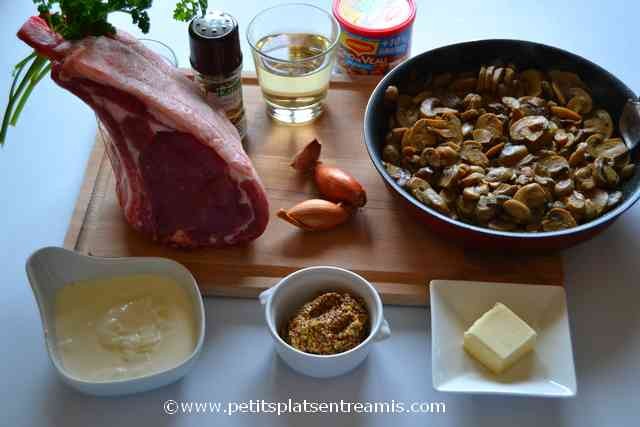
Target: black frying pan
pixel 607 91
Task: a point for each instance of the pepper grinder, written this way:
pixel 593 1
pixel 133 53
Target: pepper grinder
pixel 216 59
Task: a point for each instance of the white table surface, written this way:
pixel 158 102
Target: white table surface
pixel 41 169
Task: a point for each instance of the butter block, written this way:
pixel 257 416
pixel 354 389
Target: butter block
pixel 499 338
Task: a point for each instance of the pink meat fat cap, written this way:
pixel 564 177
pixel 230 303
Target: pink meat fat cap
pixel 169 95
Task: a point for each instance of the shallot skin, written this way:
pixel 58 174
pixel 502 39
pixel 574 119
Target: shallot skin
pixel 339 186
pixel 307 159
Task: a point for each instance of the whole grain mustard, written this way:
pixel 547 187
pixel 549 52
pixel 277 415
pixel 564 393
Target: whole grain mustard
pixel 332 323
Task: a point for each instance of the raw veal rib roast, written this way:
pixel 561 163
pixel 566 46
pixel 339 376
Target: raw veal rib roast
pixel 182 176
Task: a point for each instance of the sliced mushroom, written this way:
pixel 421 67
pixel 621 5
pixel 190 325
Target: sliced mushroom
pixel 488 78
pixel 532 195
pixel 391 95
pixel 483 136
pixel 613 200
pixel 575 203
pixel 472 101
pixel 427 107
pixel 455 126
pixel 517 210
pixel 523 179
pixel 421 136
pixel 496 79
pixel 504 189
pixel 614 148
pixel 470 116
pixel 481 78
pixel 627 171
pixel 475 169
pixel 417 184
pixel 578 157
pixel 566 114
pixel 562 82
pixel 474 192
pixel 558 92
pixel 583 178
pixel 500 174
pixel 471 152
pixel 406 140
pixel 558 219
pixel 491 122
pixel 467 129
pixel 511 102
pixel 431 158
pixel 449 196
pixel 563 138
pixel 532 80
pixel 564 187
pixel 547 89
pixel 486 208
pixel 529 159
pixel 495 150
pixel 529 128
pixel 600 122
pixel 391 153
pixel 412 162
pixel 427 173
pixel 498 109
pixel 554 165
pixel 509 75
pixel 533 101
pixel 432 199
pixel 448 156
pixel 444 133
pixel 449 177
pixel 604 173
pixel 472 179
pixel 580 101
pixel 408 151
pixel 547 183
pixel 512 154
pixel 598 199
pixel 407 116
pixel 400 175
pixel 437 123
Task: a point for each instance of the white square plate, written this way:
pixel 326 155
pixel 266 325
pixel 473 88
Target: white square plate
pixel 548 371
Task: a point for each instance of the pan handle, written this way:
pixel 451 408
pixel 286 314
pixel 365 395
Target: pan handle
pixel 630 123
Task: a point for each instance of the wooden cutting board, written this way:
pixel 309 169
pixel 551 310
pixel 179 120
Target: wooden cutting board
pixel 382 242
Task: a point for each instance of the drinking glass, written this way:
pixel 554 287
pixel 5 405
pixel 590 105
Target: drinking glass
pixel 293 47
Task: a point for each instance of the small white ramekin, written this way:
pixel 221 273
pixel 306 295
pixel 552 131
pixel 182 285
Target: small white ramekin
pixel 282 300
pixel 49 269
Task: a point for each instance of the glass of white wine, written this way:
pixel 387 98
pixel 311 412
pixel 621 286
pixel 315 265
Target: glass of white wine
pixel 293 48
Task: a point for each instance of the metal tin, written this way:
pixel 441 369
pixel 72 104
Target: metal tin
pixel 376 34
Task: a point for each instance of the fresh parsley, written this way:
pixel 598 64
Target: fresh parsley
pixel 187 9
